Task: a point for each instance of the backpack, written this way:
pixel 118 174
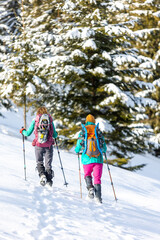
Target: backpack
pixel 92 140
pixel 43 129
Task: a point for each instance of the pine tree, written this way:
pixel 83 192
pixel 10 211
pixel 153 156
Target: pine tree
pixel 146 29
pixel 81 57
pixel 20 77
pixel 96 70
pixel 9 23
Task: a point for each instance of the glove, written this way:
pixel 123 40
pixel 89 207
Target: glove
pixel 21 130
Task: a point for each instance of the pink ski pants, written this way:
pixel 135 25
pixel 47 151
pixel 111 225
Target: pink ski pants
pixel 96 168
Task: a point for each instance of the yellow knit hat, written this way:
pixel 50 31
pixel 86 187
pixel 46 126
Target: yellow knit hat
pixel 90 118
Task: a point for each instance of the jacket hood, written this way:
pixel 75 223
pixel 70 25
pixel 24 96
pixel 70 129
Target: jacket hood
pixel 90 118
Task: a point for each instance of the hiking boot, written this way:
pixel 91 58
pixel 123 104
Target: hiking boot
pixel 40 168
pixel 88 180
pixel 97 188
pixel 89 186
pixel 49 183
pixel 49 175
pixel 91 193
pixel 43 180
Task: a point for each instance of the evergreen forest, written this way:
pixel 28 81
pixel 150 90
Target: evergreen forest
pixel 80 57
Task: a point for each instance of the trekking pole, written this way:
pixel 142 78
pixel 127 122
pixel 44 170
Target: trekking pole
pixel 110 177
pixel 65 183
pixel 80 175
pixel 24 157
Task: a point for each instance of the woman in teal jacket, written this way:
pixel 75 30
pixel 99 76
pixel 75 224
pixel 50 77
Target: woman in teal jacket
pixel 42 150
pixel 92 164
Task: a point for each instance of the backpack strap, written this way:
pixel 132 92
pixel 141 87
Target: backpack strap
pixel 85 138
pixel 97 127
pixel 37 117
pixel 37 122
pixel 51 126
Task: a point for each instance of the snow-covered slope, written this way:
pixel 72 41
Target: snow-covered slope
pixel 29 211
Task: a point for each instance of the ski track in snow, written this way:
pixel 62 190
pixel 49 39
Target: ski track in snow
pixel 32 212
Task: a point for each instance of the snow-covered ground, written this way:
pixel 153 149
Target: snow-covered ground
pixel 29 211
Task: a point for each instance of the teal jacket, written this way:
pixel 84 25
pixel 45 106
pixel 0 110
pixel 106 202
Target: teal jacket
pixel 28 132
pixel 85 158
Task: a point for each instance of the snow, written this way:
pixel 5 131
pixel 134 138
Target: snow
pixel 90 44
pixel 145 32
pixel 87 33
pixel 37 80
pixel 97 14
pixel 124 97
pixel 141 12
pixel 32 212
pixel 98 70
pixel 148 65
pixel 106 55
pixel 69 68
pixel 123 59
pixel 145 85
pixel 73 34
pixel 78 53
pixel 104 125
pixel 77 33
pixel 157 14
pixel 116 30
pixel 117 6
pixel 157 82
pixel 93 1
pixel 69 5
pixel 30 89
pixel 8 89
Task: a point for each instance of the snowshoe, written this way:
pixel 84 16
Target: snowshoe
pixel 91 193
pixel 43 180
